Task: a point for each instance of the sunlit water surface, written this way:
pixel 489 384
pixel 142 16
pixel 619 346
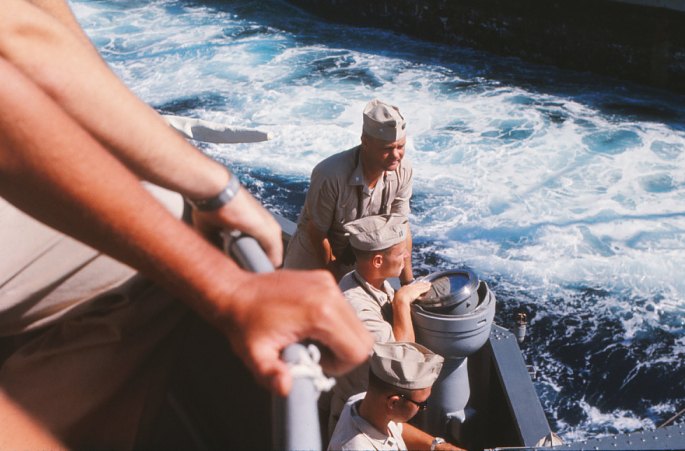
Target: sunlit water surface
pixel 563 190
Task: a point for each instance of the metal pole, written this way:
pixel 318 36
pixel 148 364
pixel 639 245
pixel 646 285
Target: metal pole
pixel 247 252
pixel 295 417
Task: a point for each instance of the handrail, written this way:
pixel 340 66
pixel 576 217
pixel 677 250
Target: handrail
pixel 295 417
pixel 247 252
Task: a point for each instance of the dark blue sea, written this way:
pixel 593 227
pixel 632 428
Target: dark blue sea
pixel 563 190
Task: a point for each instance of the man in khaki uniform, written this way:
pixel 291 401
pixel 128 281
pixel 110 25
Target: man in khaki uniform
pixel 400 379
pixel 369 179
pixel 379 245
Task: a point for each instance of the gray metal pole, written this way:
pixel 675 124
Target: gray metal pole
pixel 247 252
pixel 295 417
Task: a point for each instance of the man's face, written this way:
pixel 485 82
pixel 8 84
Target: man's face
pixel 393 260
pixel 382 155
pixel 408 406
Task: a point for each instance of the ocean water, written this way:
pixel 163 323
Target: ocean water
pixel 564 190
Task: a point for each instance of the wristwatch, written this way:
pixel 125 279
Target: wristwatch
pixel 436 442
pixel 215 202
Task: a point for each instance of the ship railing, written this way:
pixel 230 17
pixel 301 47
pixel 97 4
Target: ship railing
pixel 296 416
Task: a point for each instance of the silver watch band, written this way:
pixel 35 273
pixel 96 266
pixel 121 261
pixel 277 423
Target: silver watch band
pixel 436 442
pixel 225 196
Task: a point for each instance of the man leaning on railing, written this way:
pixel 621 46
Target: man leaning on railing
pixel 74 145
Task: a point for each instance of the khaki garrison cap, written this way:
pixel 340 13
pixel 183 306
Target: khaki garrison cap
pixel 405 365
pixel 373 233
pixel 383 121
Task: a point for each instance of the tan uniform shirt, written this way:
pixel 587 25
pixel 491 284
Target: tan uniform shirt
pixel 46 275
pixel 355 433
pixel 373 308
pixel 333 200
pixel 90 335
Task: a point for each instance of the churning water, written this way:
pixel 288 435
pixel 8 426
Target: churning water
pixel 565 191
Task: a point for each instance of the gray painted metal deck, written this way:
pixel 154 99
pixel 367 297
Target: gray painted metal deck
pixel 520 394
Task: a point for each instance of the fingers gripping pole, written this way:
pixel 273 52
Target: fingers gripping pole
pixel 295 417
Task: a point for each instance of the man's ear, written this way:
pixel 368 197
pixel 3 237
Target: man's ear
pixel 377 261
pixel 392 402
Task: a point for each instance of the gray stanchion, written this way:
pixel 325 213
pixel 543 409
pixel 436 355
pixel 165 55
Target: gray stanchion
pixel 295 417
pixel 247 252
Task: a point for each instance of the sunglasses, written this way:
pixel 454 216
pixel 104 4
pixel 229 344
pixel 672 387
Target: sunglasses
pixel 421 405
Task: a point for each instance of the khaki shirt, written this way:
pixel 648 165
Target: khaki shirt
pixel 101 336
pixel 45 275
pixel 333 199
pixel 373 308
pixel 371 305
pixel 355 433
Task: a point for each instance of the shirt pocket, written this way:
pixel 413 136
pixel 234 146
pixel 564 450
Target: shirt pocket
pixel 346 210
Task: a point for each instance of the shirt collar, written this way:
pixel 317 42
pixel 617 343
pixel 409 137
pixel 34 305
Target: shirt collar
pixel 368 429
pixel 381 296
pixel 357 176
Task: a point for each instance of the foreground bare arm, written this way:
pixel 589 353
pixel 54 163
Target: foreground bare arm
pixel 60 10
pixel 56 172
pixel 42 41
pixel 321 245
pixel 19 431
pixel 402 327
pixel 407 275
pixel 51 54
